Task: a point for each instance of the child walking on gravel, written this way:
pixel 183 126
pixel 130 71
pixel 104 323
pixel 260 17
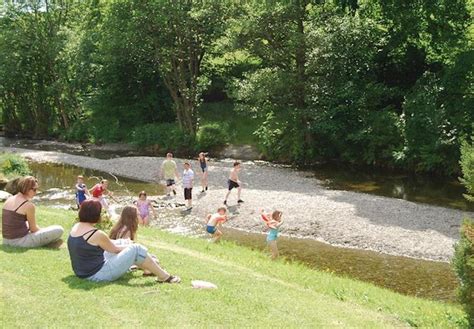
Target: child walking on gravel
pixel 188 180
pixel 234 182
pixel 273 221
pixel 144 205
pixel 215 220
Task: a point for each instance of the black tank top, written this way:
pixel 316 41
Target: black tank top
pixel 86 259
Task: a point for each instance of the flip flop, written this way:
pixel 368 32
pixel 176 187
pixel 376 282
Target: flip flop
pixel 171 279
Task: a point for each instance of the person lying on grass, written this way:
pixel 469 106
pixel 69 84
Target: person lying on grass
pixel 96 258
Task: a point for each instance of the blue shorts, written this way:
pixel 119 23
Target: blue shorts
pixel 117 265
pixel 170 182
pixel 211 229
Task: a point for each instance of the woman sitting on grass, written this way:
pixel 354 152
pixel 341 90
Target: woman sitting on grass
pixel 19 228
pixel 95 257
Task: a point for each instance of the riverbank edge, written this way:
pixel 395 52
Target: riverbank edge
pixel 216 262
pixel 95 164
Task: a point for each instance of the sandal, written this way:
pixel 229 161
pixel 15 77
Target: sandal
pixel 171 279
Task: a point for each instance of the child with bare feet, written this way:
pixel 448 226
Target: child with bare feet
pixel 234 182
pixel 215 220
pixel 273 221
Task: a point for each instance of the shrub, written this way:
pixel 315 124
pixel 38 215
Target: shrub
pixel 12 165
pixel 167 136
pixel 463 263
pixel 211 136
pixel 463 260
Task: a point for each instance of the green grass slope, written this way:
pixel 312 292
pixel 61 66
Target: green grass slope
pixel 38 289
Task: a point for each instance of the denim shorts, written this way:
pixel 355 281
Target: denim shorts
pixel 117 265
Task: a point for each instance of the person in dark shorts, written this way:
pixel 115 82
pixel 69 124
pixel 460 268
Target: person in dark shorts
pixel 169 171
pixel 188 179
pixel 234 182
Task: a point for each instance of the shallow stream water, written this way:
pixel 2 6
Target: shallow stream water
pixel 434 280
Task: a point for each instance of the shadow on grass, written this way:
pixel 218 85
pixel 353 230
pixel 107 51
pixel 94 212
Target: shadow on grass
pixel 20 250
pixel 77 283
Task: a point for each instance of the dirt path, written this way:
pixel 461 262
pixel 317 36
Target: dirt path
pixel 342 218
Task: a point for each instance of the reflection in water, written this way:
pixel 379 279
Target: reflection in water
pixel 439 191
pixel 408 276
pixel 427 279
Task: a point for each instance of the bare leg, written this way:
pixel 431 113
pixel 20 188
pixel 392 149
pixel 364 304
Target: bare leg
pixel 239 189
pixel 145 221
pixel 216 236
pixel 227 195
pixel 150 265
pixel 274 249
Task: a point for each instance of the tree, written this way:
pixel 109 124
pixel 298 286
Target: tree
pixel 182 33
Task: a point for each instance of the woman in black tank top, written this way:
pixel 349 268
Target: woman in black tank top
pixel 95 257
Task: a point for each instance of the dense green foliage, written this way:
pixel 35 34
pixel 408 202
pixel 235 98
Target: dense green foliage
pixel 368 82
pixel 39 287
pixel 212 135
pixel 12 165
pixel 463 260
pixel 463 263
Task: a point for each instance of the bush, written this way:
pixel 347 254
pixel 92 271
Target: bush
pixel 463 263
pixel 12 165
pixel 463 260
pixel 166 136
pixel 211 136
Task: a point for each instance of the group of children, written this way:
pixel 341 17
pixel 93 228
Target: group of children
pixel 169 172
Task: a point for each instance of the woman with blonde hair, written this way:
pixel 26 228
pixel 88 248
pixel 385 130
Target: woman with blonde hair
pixel 19 228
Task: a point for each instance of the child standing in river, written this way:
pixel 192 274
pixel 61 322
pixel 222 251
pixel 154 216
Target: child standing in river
pixel 99 191
pixel 81 191
pixel 273 221
pixel 144 205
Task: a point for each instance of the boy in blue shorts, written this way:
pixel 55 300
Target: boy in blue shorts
pixel 213 221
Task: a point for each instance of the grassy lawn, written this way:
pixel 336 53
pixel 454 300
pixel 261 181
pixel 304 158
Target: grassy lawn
pixel 241 126
pixel 38 289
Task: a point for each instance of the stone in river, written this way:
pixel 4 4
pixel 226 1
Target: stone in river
pixel 4 195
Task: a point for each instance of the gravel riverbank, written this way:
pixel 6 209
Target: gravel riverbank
pixel 341 218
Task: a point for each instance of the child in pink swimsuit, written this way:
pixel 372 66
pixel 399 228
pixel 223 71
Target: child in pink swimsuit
pixel 144 207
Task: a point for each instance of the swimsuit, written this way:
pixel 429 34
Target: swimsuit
pixel 211 229
pixel 143 208
pixel 272 235
pixel 203 165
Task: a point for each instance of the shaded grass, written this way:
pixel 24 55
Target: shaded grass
pixel 39 289
pixel 240 126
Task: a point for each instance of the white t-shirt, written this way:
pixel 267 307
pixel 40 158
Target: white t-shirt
pixel 188 176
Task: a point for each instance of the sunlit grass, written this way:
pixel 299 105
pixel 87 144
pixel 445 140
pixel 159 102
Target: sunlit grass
pixel 40 290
